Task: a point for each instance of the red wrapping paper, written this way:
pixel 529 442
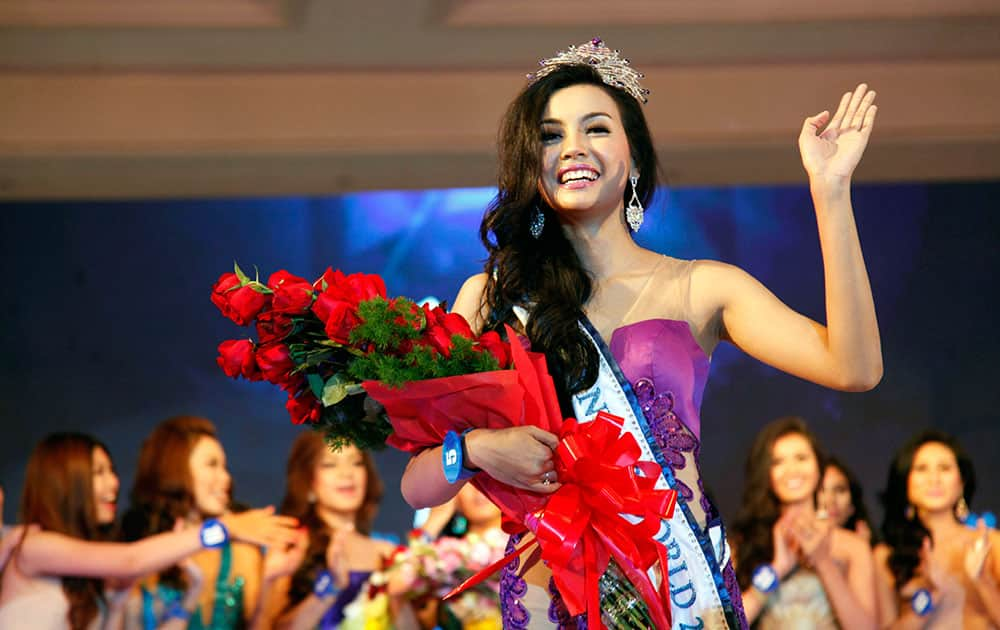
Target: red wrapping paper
pixel 579 527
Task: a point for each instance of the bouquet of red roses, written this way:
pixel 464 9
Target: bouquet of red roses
pixel 320 341
pixel 327 343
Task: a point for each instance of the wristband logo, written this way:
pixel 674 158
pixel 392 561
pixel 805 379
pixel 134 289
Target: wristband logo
pixel 451 457
pixel 921 602
pixel 764 579
pixel 324 582
pixel 213 534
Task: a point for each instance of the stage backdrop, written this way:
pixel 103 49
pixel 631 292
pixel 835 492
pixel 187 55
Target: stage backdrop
pixel 107 325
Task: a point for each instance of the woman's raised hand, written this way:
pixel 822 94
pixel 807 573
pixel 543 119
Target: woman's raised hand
pixel 518 456
pixel 832 148
pixel 975 556
pixel 262 527
pixel 284 560
pixel 945 589
pixel 812 537
pixel 784 546
pixel 336 562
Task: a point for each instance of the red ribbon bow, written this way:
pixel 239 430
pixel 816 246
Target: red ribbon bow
pixel 581 528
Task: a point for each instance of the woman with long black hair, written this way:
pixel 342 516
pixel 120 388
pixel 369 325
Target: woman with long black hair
pixel 934 571
pixel 630 330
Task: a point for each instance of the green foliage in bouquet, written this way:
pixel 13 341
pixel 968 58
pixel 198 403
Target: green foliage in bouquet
pixel 394 343
pixel 391 329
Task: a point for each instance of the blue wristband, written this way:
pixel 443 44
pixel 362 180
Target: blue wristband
pixel 921 602
pixel 324 586
pixel 213 534
pixel 453 457
pixel 989 519
pixel 176 610
pixel 765 579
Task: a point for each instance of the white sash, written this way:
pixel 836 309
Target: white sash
pixel 694 596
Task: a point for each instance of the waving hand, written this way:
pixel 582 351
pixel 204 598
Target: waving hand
pixel 831 149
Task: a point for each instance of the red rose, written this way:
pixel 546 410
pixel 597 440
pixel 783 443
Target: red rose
pixel 304 408
pixel 236 358
pixel 328 279
pixel 439 339
pixel 239 303
pixel 492 343
pixel 275 363
pixel 435 316
pixel 456 325
pixel 365 286
pixel 338 316
pixel 292 295
pixel 272 326
pixel 354 288
pixel 343 318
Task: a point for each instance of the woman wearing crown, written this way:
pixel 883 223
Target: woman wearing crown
pixel 631 331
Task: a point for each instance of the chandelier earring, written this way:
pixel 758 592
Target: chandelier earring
pixel 537 223
pixel 634 212
pixel 962 509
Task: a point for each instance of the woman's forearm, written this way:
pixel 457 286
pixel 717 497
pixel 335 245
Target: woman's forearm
pixel 753 603
pixel 846 605
pixel 852 328
pixel 989 595
pixel 307 614
pixel 423 484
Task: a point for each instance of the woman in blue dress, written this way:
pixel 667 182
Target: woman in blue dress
pixel 632 331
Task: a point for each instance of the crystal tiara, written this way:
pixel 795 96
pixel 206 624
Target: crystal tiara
pixel 614 69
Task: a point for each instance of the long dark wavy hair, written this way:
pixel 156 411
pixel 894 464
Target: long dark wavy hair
pixel 546 271
pixel 902 529
pixel 761 509
pixel 58 496
pixel 306 454
pixel 163 488
pixel 860 513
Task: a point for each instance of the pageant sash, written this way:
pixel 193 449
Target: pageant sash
pixel 693 558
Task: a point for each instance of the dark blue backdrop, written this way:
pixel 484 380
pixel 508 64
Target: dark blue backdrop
pixel 107 326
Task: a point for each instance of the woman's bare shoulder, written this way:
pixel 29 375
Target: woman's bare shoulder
pixel 850 544
pixel 470 302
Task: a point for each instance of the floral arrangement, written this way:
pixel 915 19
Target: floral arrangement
pixel 319 341
pixel 433 568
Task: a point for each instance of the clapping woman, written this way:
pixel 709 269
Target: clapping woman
pixel 935 572
pixel 796 569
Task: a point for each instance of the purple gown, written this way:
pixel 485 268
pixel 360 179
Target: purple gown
pixel 666 370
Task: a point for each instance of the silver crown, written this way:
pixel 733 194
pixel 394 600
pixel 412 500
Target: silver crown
pixel 614 69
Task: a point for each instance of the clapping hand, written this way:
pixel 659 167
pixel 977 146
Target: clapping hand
pixel 282 560
pixel 975 556
pixel 812 538
pixel 336 557
pixel 784 546
pixel 944 587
